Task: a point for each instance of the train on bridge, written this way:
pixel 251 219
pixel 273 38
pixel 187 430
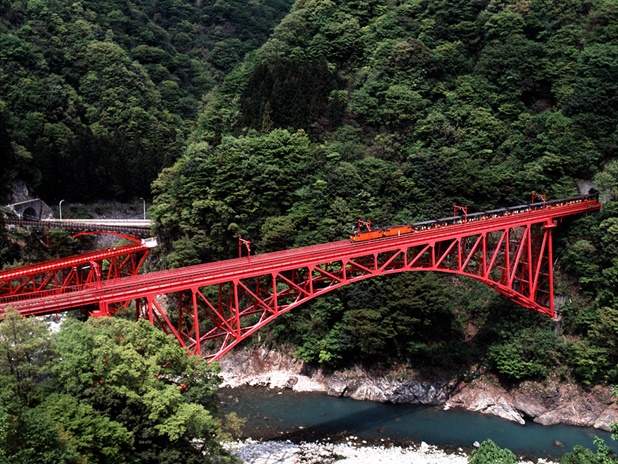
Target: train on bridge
pixel 212 307
pixel 364 231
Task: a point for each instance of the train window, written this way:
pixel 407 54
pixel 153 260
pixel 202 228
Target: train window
pixel 474 217
pixel 424 225
pixel 495 212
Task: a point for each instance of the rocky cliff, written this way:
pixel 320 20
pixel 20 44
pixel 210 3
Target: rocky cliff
pixel 544 404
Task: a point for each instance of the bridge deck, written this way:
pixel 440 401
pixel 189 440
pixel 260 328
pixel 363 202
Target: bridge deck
pixel 63 263
pixel 129 288
pixel 137 227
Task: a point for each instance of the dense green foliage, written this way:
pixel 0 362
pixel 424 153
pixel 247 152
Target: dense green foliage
pixel 603 454
pixel 490 453
pixel 478 102
pixel 97 97
pixel 108 390
pixel 393 112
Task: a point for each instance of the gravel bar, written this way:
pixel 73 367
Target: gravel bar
pixel 352 452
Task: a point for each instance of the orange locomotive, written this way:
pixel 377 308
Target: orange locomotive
pixel 380 233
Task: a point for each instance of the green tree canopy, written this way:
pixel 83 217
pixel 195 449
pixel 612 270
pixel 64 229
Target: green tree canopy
pixel 106 390
pixel 490 453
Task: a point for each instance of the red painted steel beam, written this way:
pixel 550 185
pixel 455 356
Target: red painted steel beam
pixel 71 274
pixel 217 305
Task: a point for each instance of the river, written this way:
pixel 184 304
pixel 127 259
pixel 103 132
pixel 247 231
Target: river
pixel 273 414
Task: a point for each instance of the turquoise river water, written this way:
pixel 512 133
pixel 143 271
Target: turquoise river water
pixel 283 414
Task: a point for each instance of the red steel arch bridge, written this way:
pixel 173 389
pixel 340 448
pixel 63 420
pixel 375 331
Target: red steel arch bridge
pixel 212 307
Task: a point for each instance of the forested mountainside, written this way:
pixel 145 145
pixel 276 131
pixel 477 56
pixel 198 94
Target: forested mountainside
pixel 393 112
pixel 96 97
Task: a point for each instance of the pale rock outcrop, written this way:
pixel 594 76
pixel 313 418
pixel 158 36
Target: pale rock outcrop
pixel 553 404
pixel 486 398
pixel 352 452
pixel 369 392
pixel 566 404
pixel 337 388
pixel 606 418
pixel 423 392
pixel 265 368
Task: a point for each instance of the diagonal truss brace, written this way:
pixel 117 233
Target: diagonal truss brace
pixel 516 261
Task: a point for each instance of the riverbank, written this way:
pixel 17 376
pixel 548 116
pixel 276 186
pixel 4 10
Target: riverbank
pixel 284 416
pixel 353 452
pixel 545 404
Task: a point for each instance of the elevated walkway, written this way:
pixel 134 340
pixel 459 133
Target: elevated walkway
pixel 136 227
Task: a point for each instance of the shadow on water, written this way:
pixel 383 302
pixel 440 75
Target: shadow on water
pixel 370 424
pixel 286 415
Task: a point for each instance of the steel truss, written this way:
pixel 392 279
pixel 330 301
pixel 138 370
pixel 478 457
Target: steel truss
pixel 515 260
pixel 212 307
pixel 72 274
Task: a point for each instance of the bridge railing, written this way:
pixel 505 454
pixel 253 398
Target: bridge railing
pixel 225 302
pixel 137 228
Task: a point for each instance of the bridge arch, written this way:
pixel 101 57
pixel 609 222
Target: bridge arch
pixel 212 307
pixel 217 352
pixel 210 320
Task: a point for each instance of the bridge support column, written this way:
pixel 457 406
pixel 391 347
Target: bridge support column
pixel 103 310
pixel 549 228
pixel 198 346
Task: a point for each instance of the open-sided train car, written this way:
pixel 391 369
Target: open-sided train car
pixel 359 235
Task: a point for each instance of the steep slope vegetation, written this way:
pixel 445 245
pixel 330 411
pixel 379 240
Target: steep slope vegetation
pixel 394 111
pixel 97 97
